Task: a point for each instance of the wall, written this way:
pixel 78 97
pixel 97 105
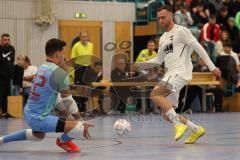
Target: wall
pixel 16 18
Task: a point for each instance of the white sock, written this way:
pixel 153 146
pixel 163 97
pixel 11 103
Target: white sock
pixel 1 140
pixel 172 116
pixel 192 126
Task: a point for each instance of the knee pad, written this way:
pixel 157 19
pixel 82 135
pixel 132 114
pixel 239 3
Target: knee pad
pixel 77 131
pixel 59 103
pixel 70 103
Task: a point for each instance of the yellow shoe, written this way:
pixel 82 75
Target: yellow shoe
pixel 195 135
pixel 180 129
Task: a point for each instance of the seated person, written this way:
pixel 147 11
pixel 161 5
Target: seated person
pixel 194 91
pixel 119 74
pixel 153 75
pixel 17 78
pixel 94 74
pixel 131 105
pixel 224 38
pixel 227 50
pixel 29 73
pixel 210 35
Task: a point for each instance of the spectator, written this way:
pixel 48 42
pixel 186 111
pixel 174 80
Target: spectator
pixel 224 38
pixel 209 8
pixel 227 65
pixel 194 91
pixel 169 2
pixel 148 53
pixel 229 4
pixel 131 105
pixel 29 74
pixel 153 75
pixel 227 47
pixel 237 20
pixel 7 57
pixel 236 7
pixel 94 74
pixel 222 18
pixel 177 4
pixel 18 78
pixel 199 16
pixel 210 35
pixel 236 46
pixel 119 74
pixel 82 52
pixel 217 4
pixel 232 29
pixel 227 50
pixel 183 17
pixel 194 4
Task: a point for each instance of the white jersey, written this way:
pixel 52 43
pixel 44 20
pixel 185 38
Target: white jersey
pixel 175 45
pixel 175 49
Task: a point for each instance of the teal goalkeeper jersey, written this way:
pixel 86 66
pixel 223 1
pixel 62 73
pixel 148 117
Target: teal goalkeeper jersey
pixel 48 82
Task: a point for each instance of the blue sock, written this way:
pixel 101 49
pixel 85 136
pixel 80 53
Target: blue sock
pixel 17 136
pixel 64 138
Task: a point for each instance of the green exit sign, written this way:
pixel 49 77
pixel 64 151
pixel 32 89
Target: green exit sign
pixel 80 15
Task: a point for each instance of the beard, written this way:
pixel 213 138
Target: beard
pixel 61 59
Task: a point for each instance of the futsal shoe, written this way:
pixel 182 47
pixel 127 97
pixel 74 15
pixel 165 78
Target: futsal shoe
pixel 68 146
pixel 195 136
pixel 180 129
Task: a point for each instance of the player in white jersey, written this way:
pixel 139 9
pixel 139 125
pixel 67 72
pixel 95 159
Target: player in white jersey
pixel 175 48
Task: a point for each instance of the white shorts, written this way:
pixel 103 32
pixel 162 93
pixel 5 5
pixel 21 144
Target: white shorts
pixel 173 83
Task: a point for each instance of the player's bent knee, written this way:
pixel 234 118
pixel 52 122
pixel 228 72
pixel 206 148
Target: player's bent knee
pixel 159 92
pixel 154 93
pixel 34 136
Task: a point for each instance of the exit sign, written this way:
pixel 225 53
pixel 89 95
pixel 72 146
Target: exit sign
pixel 80 15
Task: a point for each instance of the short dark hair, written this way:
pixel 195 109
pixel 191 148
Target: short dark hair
pixel 83 31
pixel 223 9
pixel 98 63
pixel 183 5
pixel 5 35
pixel 151 41
pixel 212 16
pixel 54 45
pixel 166 7
pixel 27 60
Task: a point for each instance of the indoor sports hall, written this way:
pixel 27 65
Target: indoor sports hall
pixel 120 79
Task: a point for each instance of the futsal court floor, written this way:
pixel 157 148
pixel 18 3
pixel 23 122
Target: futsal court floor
pixel 151 138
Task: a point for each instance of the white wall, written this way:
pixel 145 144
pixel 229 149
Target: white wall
pixel 16 18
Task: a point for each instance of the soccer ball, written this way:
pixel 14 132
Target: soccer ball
pixel 122 127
